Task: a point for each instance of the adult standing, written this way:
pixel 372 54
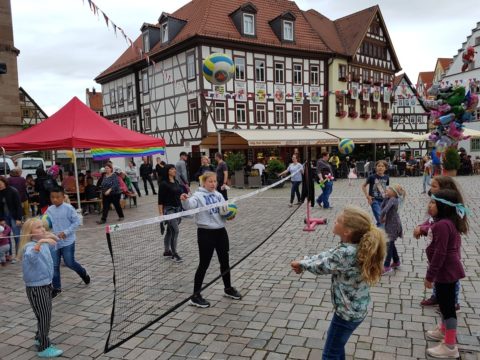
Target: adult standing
pixel 11 210
pixel 169 203
pixel 18 182
pixel 323 170
pixel 261 169
pixel 182 172
pixel 146 171
pixel 296 169
pixel 160 171
pixel 222 175
pixel 111 193
pixel 131 172
pixel 43 184
pixel 204 167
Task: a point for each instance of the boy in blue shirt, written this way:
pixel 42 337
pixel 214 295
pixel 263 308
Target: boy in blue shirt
pixel 64 223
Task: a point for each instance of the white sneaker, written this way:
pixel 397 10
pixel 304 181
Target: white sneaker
pixel 442 351
pixel 435 334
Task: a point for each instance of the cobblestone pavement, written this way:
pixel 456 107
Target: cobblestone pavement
pixel 282 315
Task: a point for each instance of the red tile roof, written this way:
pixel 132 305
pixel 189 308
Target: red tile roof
pixel 95 100
pixel 445 62
pixel 426 77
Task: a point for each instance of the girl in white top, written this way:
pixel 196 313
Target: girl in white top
pixel 296 169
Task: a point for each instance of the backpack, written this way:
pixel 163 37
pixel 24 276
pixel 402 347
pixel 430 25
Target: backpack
pixel 48 184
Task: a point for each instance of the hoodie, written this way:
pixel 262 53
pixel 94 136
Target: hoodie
pixel 208 219
pixel 37 266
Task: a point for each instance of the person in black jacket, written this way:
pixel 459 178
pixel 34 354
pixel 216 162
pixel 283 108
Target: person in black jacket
pixel 11 210
pixel 43 184
pixel 146 171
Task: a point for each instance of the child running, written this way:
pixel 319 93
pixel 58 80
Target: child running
pixel 355 265
pixel 445 266
pixel 37 268
pixel 211 235
pixel 377 184
pixel 394 197
pixel 438 183
pixel 64 223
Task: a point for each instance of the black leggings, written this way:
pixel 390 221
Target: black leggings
pixel 208 241
pixel 111 199
pixel 445 293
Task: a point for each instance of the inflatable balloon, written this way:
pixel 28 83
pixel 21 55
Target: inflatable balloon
pixel 467 57
pixel 218 69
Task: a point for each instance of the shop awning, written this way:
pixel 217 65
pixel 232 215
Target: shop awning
pixel 475 134
pixel 371 136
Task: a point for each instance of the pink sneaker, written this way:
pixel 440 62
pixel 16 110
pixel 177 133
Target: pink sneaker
pixel 396 265
pixel 386 270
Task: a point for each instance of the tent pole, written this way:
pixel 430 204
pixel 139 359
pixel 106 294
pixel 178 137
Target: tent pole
pixel 76 179
pixel 4 162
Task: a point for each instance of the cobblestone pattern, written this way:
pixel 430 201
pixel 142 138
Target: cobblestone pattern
pixel 282 315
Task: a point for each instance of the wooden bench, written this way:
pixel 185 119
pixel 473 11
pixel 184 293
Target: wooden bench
pixel 132 198
pixel 74 203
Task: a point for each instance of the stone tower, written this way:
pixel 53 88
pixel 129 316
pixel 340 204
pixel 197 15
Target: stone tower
pixel 10 120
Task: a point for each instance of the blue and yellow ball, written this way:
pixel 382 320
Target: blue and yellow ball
pixel 47 222
pixel 229 211
pixel 218 69
pixel 346 146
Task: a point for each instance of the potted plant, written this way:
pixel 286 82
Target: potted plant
pixel 235 163
pixel 274 168
pixel 451 161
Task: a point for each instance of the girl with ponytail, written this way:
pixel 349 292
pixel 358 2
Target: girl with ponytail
pixel 355 265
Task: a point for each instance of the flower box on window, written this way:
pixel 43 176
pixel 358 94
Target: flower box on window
pixel 377 83
pixel 365 116
pixel 353 114
pixel 341 114
pixel 367 82
pixel 376 116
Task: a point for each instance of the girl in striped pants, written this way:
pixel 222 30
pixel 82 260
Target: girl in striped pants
pixel 37 268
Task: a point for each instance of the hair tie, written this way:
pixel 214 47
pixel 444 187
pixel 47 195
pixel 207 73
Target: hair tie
pixel 459 208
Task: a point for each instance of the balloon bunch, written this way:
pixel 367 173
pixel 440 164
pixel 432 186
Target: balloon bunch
pixel 328 178
pixel 453 107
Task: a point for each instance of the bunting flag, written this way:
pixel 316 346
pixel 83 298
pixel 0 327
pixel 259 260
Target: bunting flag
pixel 107 153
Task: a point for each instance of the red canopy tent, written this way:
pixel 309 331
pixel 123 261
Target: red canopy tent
pixel 76 126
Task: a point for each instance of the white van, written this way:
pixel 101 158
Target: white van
pixel 6 166
pixel 29 165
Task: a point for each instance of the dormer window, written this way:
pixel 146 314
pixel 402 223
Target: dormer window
pixel 164 32
pixel 288 30
pixel 146 42
pixel 249 24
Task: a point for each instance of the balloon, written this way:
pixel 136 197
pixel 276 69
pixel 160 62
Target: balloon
pixel 445 119
pixel 441 145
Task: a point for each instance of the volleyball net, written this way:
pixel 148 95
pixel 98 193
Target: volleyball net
pixel 149 286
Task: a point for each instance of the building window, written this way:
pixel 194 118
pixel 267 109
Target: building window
pixel 239 68
pixel 112 98
pixel 241 111
pixel 377 77
pixel 279 114
pixel 314 71
pixel 191 66
pixel 248 24
pixel 192 113
pixel 147 119
pixel 146 42
pixel 288 30
pixel 261 114
pixel 366 76
pixel 297 115
pixel 260 70
pixel 145 82
pixel 124 123
pixel 26 113
pixel 342 72
pixel 474 145
pixel 164 32
pixel 279 73
pixel 220 112
pixel 129 93
pixel 314 115
pixel 133 122
pixel 115 122
pixel 297 74
pixel 120 95
pixel 355 74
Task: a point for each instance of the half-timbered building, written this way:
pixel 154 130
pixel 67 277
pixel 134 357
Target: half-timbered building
pixel 294 69
pixel 409 115
pixel 30 112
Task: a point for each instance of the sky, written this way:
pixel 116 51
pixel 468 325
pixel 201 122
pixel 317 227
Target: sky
pixel 64 46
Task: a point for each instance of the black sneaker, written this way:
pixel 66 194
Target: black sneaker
pixel 55 293
pixel 100 222
pixel 232 293
pixel 176 258
pixel 199 301
pixel 167 253
pixel 86 279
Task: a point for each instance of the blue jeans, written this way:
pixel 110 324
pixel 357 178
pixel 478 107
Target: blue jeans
pixel 337 336
pixel 295 190
pixel 377 209
pixel 391 254
pixel 326 192
pixel 68 254
pixel 426 182
pixel 15 232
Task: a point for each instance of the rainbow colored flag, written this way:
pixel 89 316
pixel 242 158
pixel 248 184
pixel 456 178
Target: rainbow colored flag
pixel 106 153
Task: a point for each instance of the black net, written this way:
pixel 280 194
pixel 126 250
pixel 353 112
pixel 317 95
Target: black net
pixel 148 286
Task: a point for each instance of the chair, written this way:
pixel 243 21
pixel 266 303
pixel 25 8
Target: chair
pixel 360 167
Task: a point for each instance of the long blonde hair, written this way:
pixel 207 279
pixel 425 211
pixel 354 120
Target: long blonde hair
pixel 371 243
pixel 26 234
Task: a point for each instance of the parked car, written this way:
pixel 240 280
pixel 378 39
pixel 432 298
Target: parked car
pixel 29 165
pixel 6 166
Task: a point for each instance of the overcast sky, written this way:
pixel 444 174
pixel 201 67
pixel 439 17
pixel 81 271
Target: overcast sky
pixel 64 46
